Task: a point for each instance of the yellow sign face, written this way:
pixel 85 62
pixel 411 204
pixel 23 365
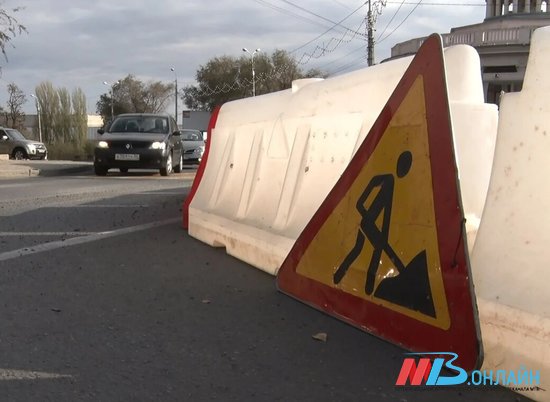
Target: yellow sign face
pixel 380 242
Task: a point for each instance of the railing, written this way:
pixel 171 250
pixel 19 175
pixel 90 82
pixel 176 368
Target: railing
pixel 488 37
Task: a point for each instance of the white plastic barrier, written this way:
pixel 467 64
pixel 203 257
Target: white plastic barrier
pixel 511 257
pixel 274 158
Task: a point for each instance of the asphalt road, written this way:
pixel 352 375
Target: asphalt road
pixel 103 297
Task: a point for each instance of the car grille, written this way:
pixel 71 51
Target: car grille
pixel 132 144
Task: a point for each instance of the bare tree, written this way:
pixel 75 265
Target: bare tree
pixel 14 112
pixel 9 27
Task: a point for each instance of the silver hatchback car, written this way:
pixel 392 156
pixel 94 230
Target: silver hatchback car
pixel 13 143
pixel 193 146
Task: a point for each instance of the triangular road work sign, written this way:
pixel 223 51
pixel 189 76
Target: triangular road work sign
pixel 386 250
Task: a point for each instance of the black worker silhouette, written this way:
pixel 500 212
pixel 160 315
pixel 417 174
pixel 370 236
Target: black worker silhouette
pixel 410 288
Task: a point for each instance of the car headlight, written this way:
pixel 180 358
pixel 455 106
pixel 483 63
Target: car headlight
pixel 31 148
pixel 103 144
pixel 158 145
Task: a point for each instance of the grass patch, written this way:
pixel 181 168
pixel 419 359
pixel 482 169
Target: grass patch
pixel 71 152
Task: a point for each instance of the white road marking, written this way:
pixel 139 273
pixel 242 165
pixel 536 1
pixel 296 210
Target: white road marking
pixel 17 375
pixel 161 193
pixel 103 206
pixel 40 248
pixel 12 185
pixel 52 234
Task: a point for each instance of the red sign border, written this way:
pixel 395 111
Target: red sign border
pixel 463 336
pixel 200 170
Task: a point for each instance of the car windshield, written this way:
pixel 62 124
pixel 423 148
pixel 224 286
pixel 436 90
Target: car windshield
pixel 15 135
pixel 140 124
pixel 191 135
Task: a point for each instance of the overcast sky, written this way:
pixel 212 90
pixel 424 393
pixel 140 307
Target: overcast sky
pixel 82 43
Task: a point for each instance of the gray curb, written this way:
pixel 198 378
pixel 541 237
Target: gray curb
pixel 17 170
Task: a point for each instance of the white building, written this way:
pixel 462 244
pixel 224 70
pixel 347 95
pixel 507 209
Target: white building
pixel 502 41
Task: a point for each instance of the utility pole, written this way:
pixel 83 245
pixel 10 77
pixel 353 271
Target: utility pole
pixel 112 97
pixel 173 69
pixel 370 37
pixel 253 71
pixel 38 111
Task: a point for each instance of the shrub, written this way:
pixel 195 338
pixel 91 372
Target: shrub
pixel 71 152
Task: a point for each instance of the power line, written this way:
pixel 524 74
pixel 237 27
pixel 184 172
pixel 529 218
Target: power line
pixel 315 14
pixel 324 66
pixel 330 29
pixel 441 4
pixel 342 4
pixel 391 20
pixel 402 22
pixel 329 47
pixel 290 13
pixel 352 63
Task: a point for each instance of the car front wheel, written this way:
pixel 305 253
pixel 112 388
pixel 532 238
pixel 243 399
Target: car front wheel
pixel 167 169
pixel 179 167
pixel 19 154
pixel 100 170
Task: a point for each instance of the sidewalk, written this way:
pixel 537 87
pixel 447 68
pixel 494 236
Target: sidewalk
pixel 30 168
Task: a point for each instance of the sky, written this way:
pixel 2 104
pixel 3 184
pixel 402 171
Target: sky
pixel 83 43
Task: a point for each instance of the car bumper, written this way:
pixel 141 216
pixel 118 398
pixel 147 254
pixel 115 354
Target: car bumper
pixel 38 154
pixel 142 159
pixel 192 161
pixel 192 157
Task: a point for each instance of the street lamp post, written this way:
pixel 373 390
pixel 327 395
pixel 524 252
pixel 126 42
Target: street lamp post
pixel 112 97
pixel 38 113
pixel 253 71
pixel 176 94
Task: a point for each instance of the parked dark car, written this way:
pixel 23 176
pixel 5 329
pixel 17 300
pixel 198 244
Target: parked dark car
pixel 139 141
pixel 13 143
pixel 193 145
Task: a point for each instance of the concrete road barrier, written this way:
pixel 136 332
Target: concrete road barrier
pixel 274 158
pixel 511 257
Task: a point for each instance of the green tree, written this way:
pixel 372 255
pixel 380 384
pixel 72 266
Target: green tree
pixel 63 119
pixel 219 81
pixel 80 117
pixel 64 116
pixel 14 112
pixel 227 78
pixel 131 95
pixel 48 99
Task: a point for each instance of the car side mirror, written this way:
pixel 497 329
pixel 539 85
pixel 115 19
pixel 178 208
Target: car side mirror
pixel 101 131
pixel 177 133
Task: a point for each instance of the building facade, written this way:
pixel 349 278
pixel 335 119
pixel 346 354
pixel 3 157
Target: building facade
pixel 194 119
pixel 502 41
